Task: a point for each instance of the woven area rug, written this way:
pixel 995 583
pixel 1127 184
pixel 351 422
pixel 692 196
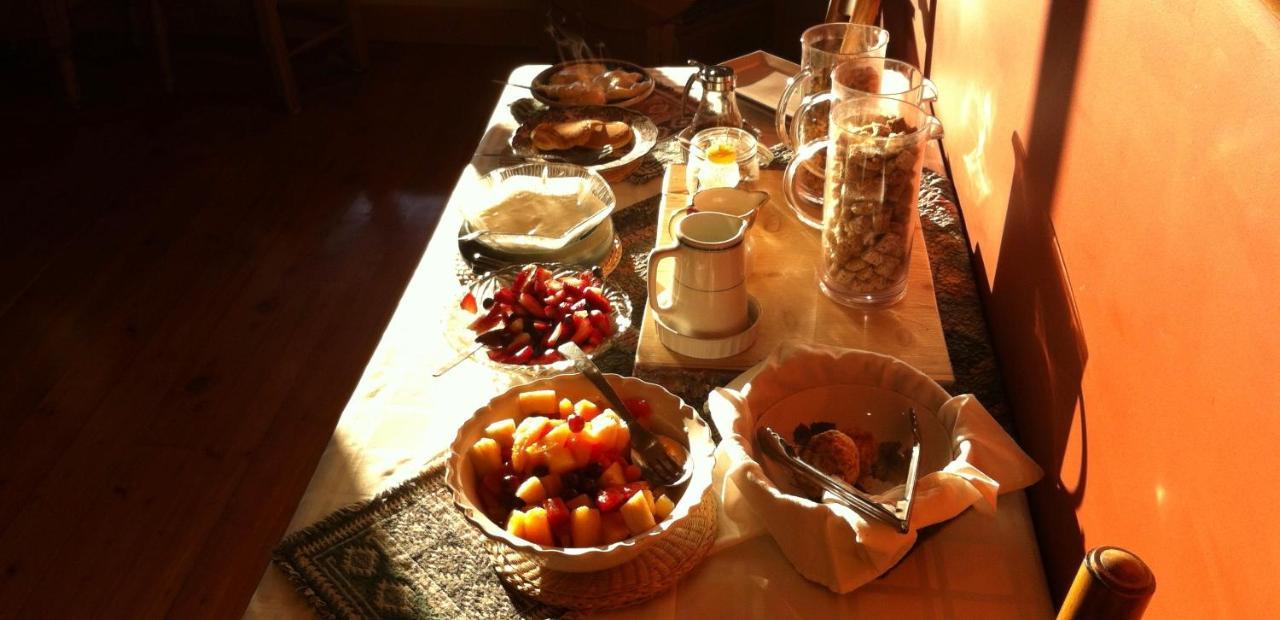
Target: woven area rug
pixel 409 554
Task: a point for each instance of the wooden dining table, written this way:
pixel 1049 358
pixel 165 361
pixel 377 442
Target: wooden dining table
pixel 399 418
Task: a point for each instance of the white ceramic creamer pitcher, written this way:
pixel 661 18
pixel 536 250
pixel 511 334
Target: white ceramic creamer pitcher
pixel 709 287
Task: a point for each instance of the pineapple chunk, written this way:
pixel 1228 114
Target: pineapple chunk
pixel 486 456
pixel 586 527
pixel 587 409
pixel 515 524
pixel 613 527
pixel 536 527
pixel 551 485
pixel 602 431
pixel 566 407
pixel 648 498
pixel 531 491
pixel 560 460
pixel 581 500
pixel 529 431
pixel 534 456
pixel 558 435
pixel 502 431
pixel 538 402
pixel 662 507
pixel 635 512
pixel 612 476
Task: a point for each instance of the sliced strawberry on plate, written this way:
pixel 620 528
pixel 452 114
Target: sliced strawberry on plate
pixel 487 321
pixel 556 333
pixel 504 296
pixel 601 322
pixel 522 356
pixel 468 303
pixel 523 277
pixel 531 303
pixel 582 329
pixel 595 297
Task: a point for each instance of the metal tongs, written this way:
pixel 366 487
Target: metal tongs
pixel 898 515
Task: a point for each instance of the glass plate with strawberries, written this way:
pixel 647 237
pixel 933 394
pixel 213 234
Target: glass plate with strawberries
pixel 517 316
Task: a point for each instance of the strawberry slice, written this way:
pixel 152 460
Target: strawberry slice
pixel 582 330
pixel 468 303
pixel 557 512
pixel 554 298
pixel 531 303
pixel 595 297
pixel 638 407
pixel 554 337
pixel 542 274
pixel 611 498
pixel 504 296
pixel 522 356
pixel 523 277
pixel 586 278
pixel 487 321
pixel 601 322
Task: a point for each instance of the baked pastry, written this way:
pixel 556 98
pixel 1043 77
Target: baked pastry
pixel 589 133
pixel 835 453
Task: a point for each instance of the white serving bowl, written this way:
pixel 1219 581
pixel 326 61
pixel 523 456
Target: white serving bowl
pixel 540 178
pixel 671 417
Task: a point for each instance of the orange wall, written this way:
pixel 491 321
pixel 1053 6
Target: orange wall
pixel 1117 163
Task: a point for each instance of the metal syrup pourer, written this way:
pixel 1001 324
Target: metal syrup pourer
pixel 719 106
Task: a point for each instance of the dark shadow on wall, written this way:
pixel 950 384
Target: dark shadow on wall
pixel 1039 337
pixel 1042 348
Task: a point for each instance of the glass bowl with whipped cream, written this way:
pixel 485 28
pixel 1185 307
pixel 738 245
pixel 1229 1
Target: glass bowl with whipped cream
pixel 537 207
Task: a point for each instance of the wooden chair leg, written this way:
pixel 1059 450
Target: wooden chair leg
pixel 355 34
pixel 160 32
pixel 277 52
pixel 58 23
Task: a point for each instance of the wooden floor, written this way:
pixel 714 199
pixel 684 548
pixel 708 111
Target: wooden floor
pixel 189 290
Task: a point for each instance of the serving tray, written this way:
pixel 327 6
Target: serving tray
pixel 782 274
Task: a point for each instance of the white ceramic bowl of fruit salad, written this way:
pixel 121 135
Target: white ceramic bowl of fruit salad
pixel 541 470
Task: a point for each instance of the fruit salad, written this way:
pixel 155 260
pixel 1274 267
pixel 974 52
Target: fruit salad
pixel 561 474
pixel 524 322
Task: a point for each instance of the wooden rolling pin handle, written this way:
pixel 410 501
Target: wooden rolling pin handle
pixel 1112 583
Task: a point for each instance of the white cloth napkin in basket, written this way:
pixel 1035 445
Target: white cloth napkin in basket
pixel 827 542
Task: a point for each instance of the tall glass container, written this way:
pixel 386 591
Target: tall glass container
pixel 875 154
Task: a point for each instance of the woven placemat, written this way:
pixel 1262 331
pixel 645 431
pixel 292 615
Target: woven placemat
pixel 407 553
pixel 658 567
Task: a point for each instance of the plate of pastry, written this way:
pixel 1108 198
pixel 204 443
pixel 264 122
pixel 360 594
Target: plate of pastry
pixel 592 82
pixel 601 138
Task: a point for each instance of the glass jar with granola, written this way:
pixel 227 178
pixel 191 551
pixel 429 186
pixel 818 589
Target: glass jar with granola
pixel 875 153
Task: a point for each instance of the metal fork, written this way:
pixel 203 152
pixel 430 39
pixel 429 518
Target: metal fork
pixel 646 450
